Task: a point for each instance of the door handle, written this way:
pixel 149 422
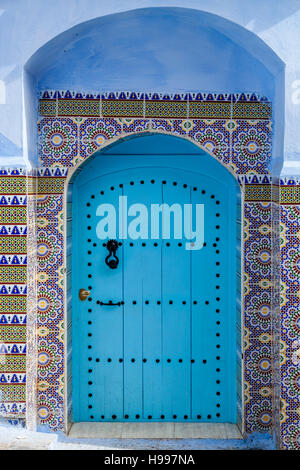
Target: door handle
pixel 111 303
pixel 112 260
pixel 84 294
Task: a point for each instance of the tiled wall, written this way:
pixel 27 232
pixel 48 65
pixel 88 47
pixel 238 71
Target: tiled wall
pixel 257 307
pixel 236 130
pixel 290 313
pixel 13 292
pixel 50 299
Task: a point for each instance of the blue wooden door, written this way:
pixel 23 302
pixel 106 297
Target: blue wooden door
pixel 166 351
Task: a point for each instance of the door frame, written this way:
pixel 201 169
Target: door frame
pixel 67 211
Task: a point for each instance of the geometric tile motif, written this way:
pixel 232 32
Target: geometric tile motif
pixel 241 144
pixel 64 142
pixel 290 317
pixel 50 312
pixel 235 128
pixel 251 145
pixel 258 372
pixel 154 105
pixel 238 136
pixel 257 316
pixel 58 141
pixel 13 292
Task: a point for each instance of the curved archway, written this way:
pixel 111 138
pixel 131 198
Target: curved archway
pixel 231 60
pixel 263 62
pixel 110 144
pixel 129 157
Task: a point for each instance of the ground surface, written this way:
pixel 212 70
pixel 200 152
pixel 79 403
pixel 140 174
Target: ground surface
pixel 15 438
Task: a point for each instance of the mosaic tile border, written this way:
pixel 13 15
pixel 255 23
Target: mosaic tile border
pixel 234 128
pixel 155 105
pixel 290 313
pixel 225 139
pixel 13 292
pixel 261 420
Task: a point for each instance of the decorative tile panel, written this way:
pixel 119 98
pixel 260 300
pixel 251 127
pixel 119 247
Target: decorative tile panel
pixel 234 128
pixel 290 313
pixel 13 292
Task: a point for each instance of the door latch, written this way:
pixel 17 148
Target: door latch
pixel 111 303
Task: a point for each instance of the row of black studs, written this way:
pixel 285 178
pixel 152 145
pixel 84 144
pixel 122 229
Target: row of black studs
pixel 157 361
pixel 112 188
pixel 109 359
pixel 150 416
pixel 158 302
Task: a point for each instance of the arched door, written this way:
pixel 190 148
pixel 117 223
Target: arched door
pixel 155 340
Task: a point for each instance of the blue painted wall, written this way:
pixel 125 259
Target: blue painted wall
pixel 163 50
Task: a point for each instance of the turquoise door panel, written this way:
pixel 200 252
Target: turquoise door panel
pixel 168 351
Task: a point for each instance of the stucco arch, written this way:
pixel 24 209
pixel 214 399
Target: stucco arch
pixel 265 68
pixel 133 51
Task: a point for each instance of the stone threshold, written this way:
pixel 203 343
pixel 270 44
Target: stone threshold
pixel 155 431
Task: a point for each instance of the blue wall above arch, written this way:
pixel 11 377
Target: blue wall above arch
pixel 157 49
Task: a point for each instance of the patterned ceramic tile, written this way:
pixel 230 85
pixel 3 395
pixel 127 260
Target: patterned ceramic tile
pixel 13 292
pixel 237 130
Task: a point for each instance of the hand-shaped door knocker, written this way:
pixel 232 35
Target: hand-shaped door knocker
pixel 112 260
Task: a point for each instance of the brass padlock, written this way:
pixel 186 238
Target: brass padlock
pixel 84 294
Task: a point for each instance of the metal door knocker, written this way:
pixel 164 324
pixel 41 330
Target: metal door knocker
pixel 112 260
